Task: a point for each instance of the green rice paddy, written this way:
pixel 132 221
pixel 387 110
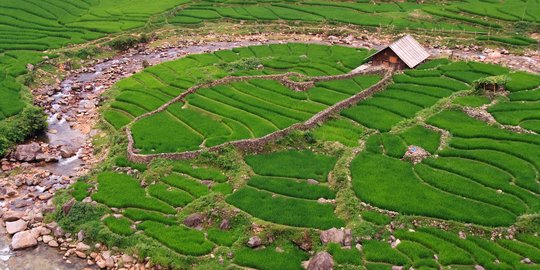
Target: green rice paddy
pixel 481 179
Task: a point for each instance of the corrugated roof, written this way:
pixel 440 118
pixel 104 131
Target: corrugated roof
pixel 409 50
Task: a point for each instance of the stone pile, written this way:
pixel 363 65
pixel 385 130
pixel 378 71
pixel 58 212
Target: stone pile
pixel 415 154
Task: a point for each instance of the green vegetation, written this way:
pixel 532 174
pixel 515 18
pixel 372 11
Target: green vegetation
pixel 120 190
pixel 294 164
pixel 120 226
pixel 291 187
pixel 234 111
pixel 285 210
pixel 479 17
pixel 269 259
pixel 179 238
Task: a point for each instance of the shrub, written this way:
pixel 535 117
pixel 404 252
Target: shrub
pixel 80 214
pixel 80 190
pixel 124 42
pixel 124 162
pixel 31 121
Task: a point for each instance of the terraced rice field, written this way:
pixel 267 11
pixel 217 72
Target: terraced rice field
pixel 483 170
pixel 468 16
pixel 235 111
pixel 523 107
pixel 281 192
pixel 453 209
pixel 153 208
pixel 479 177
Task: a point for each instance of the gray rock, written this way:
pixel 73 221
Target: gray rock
pixel 82 247
pixel 321 261
pixel 67 206
pixel 12 215
pixel 27 152
pixel 47 239
pixel 46 157
pixel 225 225
pixel 254 242
pixel 332 236
pixel 22 240
pixel 194 220
pixel 14 227
pixel 312 182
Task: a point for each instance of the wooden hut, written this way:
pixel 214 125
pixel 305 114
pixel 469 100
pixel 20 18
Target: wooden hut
pixel 404 53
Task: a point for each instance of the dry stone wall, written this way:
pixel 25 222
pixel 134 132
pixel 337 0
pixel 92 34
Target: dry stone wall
pixel 254 145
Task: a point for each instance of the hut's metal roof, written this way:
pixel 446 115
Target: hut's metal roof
pixel 409 50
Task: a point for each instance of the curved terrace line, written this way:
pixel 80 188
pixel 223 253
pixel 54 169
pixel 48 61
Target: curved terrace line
pixel 252 144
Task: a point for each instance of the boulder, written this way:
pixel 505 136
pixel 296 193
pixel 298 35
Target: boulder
pixel 22 240
pixel 225 225
pixel 67 206
pixel 312 182
pixel 67 151
pixel 82 247
pixel 27 152
pixel 46 157
pixel 321 261
pixel 47 239
pixel 332 236
pixel 14 227
pixel 53 243
pixel 415 154
pixel 12 215
pixel 194 220
pixel 254 242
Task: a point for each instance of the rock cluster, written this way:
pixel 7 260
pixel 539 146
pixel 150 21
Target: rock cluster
pixel 341 236
pixel 415 154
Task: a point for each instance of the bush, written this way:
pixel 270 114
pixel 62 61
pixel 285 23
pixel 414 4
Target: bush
pixel 80 190
pixel 125 42
pixel 31 121
pixel 80 214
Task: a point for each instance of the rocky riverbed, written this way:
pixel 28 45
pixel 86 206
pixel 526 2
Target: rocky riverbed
pixel 36 170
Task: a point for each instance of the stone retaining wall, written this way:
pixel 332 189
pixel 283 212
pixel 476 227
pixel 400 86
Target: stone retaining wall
pixel 257 144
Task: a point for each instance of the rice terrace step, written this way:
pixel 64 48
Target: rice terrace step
pixel 271 135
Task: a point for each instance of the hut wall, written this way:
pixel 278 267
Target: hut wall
pixel 389 58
